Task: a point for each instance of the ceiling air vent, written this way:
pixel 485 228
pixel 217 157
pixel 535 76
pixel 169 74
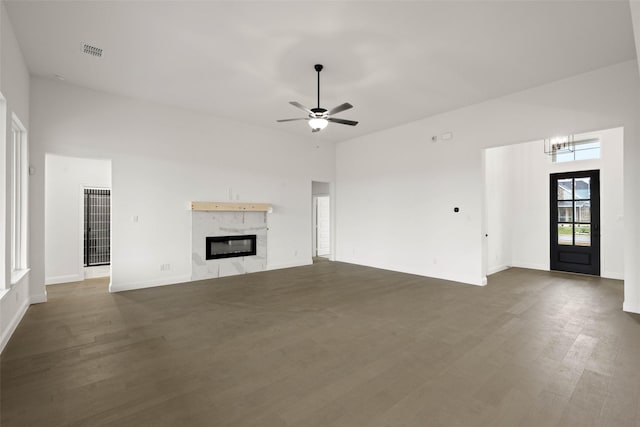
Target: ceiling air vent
pixel 91 50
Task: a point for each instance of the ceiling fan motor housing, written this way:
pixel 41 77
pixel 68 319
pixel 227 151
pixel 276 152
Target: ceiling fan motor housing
pixel 319 112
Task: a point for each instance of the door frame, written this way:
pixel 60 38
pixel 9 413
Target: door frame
pixel 595 248
pixel 314 227
pixel 324 188
pixel 316 218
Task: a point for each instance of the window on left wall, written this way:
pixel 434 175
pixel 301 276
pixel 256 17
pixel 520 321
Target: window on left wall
pixel 19 194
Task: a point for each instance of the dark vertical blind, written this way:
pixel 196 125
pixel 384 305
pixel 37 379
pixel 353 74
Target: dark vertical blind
pixel 97 227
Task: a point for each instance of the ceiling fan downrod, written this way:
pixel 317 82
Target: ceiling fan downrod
pixel 318 68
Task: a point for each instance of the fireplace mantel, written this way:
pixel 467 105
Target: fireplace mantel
pixel 230 206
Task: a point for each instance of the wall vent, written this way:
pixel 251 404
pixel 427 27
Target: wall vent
pixel 91 50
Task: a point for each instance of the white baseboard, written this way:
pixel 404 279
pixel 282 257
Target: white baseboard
pixel 630 308
pixel 38 299
pixel 288 265
pixel 345 259
pixel 497 269
pixel 478 281
pixel 481 282
pixel 97 271
pixel 13 324
pixel 612 275
pixel 120 287
pixel 174 280
pixel 530 265
pixel 63 279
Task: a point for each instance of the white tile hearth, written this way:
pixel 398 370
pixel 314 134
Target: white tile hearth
pixel 211 224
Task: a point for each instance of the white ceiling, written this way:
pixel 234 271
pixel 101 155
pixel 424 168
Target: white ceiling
pixel 394 61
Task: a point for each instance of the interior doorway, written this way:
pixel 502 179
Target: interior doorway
pixel 69 182
pixel 321 221
pixel 97 227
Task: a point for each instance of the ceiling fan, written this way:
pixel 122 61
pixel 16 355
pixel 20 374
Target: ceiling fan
pixel 319 117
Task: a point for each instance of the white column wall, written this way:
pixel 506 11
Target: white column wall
pixel 500 207
pixel 632 193
pixel 14 85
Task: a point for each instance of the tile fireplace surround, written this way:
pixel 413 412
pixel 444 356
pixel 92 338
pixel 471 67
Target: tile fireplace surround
pixel 227 223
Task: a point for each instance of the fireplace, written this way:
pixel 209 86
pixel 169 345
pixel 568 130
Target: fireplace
pixel 226 243
pixel 230 246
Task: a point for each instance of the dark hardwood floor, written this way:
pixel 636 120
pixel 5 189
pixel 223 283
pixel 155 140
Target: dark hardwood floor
pixel 329 344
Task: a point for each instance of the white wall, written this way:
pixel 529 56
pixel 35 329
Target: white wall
pixel 65 180
pixel 519 203
pixel 163 158
pixel 14 85
pixel 397 184
pixel 396 193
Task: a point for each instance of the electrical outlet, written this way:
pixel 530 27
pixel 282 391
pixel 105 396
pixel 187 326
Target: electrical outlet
pixel 165 267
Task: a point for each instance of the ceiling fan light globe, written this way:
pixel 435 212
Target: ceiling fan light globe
pixel 318 123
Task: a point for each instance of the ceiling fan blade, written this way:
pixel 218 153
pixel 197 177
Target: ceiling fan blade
pixel 342 121
pixel 291 120
pixel 340 108
pixel 300 106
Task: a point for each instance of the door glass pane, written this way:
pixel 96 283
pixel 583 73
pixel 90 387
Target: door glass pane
pixel 583 188
pixel 583 211
pixel 583 234
pixel 565 189
pixel 565 211
pixel 565 234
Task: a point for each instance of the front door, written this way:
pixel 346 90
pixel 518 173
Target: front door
pixel 575 222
